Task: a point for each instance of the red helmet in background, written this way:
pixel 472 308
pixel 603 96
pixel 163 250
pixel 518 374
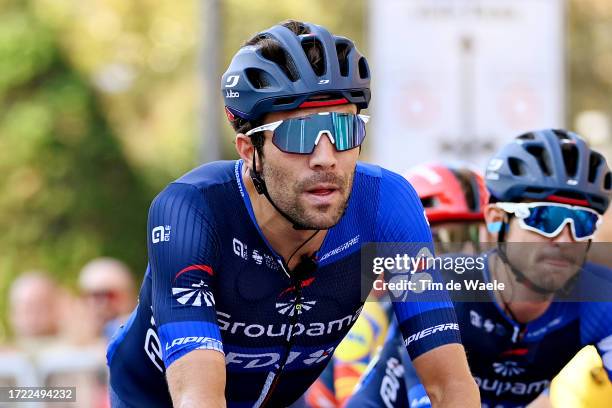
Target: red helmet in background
pixel 449 193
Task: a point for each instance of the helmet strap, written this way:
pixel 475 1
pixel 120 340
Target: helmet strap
pixel 521 277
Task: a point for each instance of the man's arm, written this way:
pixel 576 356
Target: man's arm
pixel 446 377
pixel 208 366
pixel 183 254
pixel 426 318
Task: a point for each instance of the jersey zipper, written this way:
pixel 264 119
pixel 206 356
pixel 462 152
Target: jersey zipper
pixel 297 286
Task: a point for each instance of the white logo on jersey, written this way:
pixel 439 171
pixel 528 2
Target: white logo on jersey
pixel 318 356
pixel 240 249
pixel 390 384
pixel 160 233
pixel 475 319
pixel 269 359
pixel 507 368
pixel 232 81
pixel 290 308
pixel 257 257
pixel 431 330
pixel 193 296
pixel 152 346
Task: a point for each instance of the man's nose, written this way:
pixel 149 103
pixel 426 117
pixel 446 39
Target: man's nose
pixel 565 235
pixel 324 154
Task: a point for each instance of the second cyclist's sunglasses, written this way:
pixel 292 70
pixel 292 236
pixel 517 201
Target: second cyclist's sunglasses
pixel 300 135
pixel 549 219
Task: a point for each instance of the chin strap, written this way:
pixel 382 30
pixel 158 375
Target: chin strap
pixel 260 186
pixel 521 277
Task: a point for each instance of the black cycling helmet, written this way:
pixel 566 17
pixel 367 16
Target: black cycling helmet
pixel 254 85
pixel 550 165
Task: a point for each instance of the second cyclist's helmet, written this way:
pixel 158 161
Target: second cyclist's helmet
pixel 449 193
pixel 550 165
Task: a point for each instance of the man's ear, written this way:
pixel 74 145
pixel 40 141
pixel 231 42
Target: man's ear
pixel 245 149
pixel 494 218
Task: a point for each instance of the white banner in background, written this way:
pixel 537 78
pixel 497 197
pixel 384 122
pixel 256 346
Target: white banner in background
pixel 455 79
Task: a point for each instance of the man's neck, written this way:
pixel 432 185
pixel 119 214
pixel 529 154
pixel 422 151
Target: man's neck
pixel 277 230
pixel 524 304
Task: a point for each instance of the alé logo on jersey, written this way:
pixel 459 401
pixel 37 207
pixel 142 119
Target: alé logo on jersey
pixel 190 289
pixel 160 233
pixel 240 249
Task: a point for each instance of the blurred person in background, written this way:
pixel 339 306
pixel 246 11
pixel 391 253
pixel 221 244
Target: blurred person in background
pixel 34 311
pixel 108 288
pixel 454 197
pixel 549 190
pixel 53 340
pixel 583 382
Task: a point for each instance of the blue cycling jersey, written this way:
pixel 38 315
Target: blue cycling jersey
pixel 511 363
pixel 214 282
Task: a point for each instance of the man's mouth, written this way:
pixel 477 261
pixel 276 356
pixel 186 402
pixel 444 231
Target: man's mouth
pixel 560 262
pixel 322 190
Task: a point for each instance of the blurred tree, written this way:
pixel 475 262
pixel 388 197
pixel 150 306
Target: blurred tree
pixel 67 193
pixel 589 49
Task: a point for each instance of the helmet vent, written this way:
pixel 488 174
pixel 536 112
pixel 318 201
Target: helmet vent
pixel 534 190
pixel 570 158
pixel 284 101
pixel 429 202
pixel 608 181
pixel 273 51
pixel 561 135
pixel 364 71
pixel 259 78
pixel 517 166
pixel 542 157
pixel 315 53
pixel 526 136
pixel 595 161
pixel 342 50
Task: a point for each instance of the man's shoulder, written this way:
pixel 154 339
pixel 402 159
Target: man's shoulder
pixel 368 170
pixel 187 190
pixel 210 174
pixel 364 169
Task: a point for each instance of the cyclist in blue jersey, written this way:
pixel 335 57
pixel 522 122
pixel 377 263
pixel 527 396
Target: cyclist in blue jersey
pixel 454 197
pixel 254 265
pixel 549 190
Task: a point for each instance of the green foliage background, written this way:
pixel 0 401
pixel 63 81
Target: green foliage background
pixel 80 161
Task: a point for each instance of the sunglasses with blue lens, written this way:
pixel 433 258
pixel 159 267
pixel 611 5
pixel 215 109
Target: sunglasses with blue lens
pixel 300 135
pixel 548 219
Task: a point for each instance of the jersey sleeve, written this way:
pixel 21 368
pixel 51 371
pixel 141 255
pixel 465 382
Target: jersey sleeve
pixel 427 319
pixel 183 250
pixel 596 329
